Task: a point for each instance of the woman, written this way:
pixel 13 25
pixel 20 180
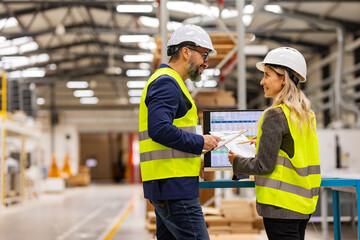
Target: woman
pixel 286 165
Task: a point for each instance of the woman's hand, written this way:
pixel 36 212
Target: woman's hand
pixel 231 156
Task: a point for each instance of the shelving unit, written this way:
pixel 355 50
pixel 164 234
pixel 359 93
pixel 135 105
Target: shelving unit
pixel 14 135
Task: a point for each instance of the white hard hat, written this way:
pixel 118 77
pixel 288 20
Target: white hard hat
pixel 288 57
pixel 192 33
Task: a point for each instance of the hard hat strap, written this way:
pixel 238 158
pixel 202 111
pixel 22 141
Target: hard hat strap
pixel 173 49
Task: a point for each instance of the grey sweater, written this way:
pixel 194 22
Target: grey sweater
pixel 275 135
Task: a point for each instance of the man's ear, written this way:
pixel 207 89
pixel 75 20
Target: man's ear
pixel 185 53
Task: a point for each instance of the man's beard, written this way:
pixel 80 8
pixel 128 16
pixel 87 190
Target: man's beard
pixel 193 71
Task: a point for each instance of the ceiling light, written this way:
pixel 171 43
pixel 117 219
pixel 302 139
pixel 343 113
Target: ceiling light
pixel 33 72
pixel 192 8
pixel 148 46
pixel 135 92
pixel 8 22
pixel 138 73
pixel 40 101
pixel 52 66
pixel 149 22
pixel 248 9
pixel 211 72
pixel 135 100
pixel 27 47
pixel 136 84
pixel 9 50
pixel 83 93
pixel 206 84
pixel 60 30
pixel 138 58
pixel 21 40
pixel 14 62
pixel 112 70
pixel 77 84
pixel 256 50
pixel 134 38
pixel 247 20
pixel 44 57
pixel 273 8
pixel 144 66
pixel 154 23
pixel 139 8
pixel 89 100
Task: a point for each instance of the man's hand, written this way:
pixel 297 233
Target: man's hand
pixel 210 142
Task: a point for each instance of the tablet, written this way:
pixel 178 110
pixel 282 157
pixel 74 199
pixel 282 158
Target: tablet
pixel 228 121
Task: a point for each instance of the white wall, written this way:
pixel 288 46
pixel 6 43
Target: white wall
pixel 350 150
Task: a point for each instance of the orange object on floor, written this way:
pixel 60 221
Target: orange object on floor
pixel 54 170
pixel 66 171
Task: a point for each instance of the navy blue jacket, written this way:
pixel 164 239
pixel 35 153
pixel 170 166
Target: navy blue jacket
pixel 165 102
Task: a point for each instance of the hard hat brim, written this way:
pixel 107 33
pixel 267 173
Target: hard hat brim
pixel 261 67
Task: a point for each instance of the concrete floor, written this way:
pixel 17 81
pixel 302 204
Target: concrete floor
pixel 98 212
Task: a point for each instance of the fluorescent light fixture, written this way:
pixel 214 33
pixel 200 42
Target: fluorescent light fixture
pixel 21 40
pixel 206 84
pixel 14 74
pixel 149 22
pixel 14 62
pixel 40 101
pixel 9 50
pixel 8 22
pixel 136 84
pixel 134 38
pixel 138 58
pixel 27 73
pixel 33 72
pixel 27 47
pixel 89 100
pixel 135 100
pixel 273 8
pixel 144 66
pixel 135 92
pixel 138 8
pixel 77 84
pixel 154 23
pixel 41 58
pixel 192 8
pixel 138 73
pixel 83 93
pixel 148 45
pixel 256 50
pixel 211 72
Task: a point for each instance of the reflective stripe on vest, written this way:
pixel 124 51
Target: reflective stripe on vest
pixel 295 182
pixel 156 160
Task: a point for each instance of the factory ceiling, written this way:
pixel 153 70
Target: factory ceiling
pixel 47 44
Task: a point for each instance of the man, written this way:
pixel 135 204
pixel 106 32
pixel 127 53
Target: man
pixel 170 141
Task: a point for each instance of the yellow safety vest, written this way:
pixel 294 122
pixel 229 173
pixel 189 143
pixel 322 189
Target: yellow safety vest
pixel 156 160
pixel 295 182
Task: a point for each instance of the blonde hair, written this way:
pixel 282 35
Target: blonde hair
pixel 294 99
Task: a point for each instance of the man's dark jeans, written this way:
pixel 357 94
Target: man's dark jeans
pixel 179 220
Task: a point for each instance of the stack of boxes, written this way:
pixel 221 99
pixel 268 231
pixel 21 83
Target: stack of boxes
pixel 234 217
